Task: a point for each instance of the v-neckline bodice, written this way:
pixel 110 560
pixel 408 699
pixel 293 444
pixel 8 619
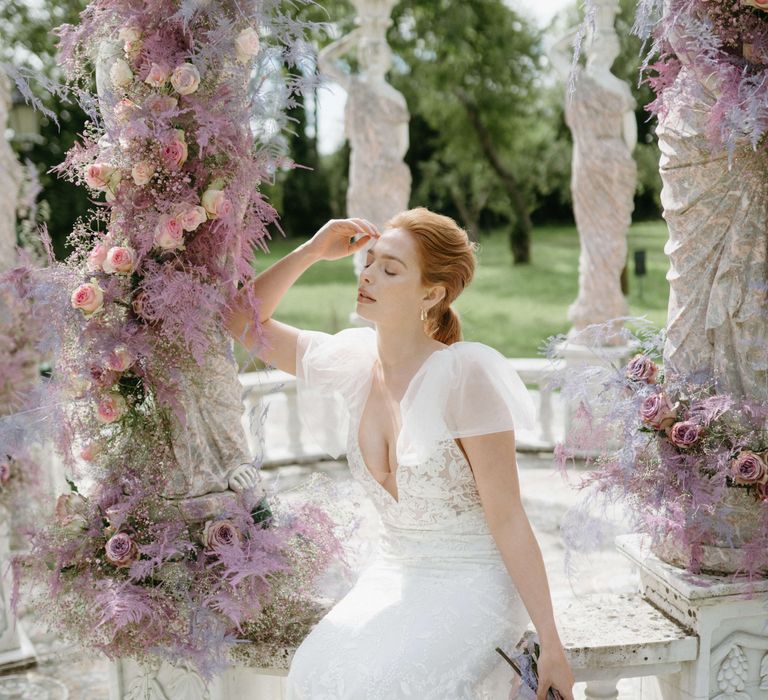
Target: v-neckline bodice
pixel 366 396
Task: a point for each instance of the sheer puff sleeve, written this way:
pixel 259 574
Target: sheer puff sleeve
pixel 331 373
pixel 470 389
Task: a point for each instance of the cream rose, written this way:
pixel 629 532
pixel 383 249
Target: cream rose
pixel 169 233
pixel 247 44
pixel 142 172
pixel 158 104
pixel 128 34
pixel 157 75
pixel 96 258
pixel 125 109
pixel 215 203
pixel 759 4
pixel 88 297
pixel 185 79
pixel 98 175
pixel 121 74
pixel 191 216
pixel 120 359
pixel 120 260
pixel 110 408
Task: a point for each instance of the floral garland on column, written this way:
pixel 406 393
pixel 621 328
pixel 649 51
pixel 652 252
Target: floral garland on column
pixel 141 298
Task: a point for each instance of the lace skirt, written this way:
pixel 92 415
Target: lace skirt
pixel 421 623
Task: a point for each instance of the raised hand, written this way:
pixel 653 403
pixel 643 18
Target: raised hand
pixel 342 237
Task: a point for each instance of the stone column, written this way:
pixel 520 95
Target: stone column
pixel 375 121
pixel 10 181
pixel 15 648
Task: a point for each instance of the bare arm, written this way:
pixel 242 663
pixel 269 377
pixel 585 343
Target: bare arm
pixel 497 483
pixel 561 55
pixel 277 345
pixel 328 56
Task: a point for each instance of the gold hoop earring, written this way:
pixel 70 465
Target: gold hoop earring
pixel 423 314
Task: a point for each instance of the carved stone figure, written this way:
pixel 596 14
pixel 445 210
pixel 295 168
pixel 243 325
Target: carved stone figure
pixel 210 448
pixel 600 114
pixel 375 120
pixel 718 248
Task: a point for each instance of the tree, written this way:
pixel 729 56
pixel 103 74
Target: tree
pixel 469 72
pixel 25 40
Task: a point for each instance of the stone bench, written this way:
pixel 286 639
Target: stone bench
pixel 607 638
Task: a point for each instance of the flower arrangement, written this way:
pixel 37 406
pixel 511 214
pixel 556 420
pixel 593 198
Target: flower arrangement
pixel 689 462
pixel 726 45
pixel 132 575
pixel 174 168
pixel 524 660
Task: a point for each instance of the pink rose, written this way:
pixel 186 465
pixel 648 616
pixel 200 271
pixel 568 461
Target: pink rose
pixel 191 216
pixel 157 75
pixel 88 297
pixel 642 369
pixel 175 151
pixel 215 203
pixel 247 44
pixel 102 377
pixel 111 408
pixel 185 79
pixel 685 434
pixel 220 533
pixel 120 260
pixel 96 258
pixel 749 468
pixel 98 175
pixel 169 233
pixel 91 451
pixel 158 104
pixel 657 411
pixel 121 550
pixel 758 4
pixel 142 172
pixel 120 359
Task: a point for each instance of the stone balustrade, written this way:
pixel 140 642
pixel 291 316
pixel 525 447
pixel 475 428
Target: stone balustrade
pixel 283 417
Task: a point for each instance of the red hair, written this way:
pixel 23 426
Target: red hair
pixel 447 259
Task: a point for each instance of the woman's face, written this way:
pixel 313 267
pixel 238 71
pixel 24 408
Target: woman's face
pixel 392 279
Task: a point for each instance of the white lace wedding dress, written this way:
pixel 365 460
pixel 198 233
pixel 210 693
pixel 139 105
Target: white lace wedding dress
pixel 423 619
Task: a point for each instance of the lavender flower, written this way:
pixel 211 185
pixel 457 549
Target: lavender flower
pixel 657 411
pixel 220 533
pixel 749 468
pixel 685 434
pixel 121 550
pixel 642 368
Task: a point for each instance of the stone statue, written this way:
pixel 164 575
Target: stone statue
pixel 600 114
pixel 10 182
pixel 210 448
pixel 716 211
pixel 375 119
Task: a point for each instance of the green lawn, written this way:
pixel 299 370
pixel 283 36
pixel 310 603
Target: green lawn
pixel 511 308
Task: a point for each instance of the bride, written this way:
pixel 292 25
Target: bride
pixel 427 424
